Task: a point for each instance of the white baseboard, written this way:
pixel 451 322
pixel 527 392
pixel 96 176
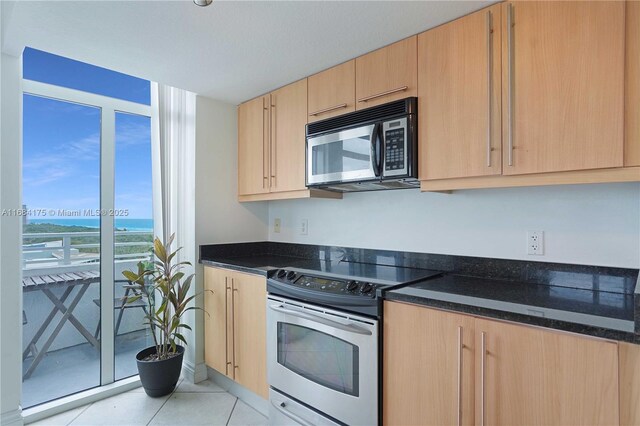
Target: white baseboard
pixel 251 399
pixel 12 418
pixel 194 374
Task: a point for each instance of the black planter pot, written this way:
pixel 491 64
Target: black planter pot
pixel 159 378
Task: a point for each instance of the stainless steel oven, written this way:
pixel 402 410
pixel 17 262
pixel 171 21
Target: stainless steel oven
pixel 325 361
pixel 365 150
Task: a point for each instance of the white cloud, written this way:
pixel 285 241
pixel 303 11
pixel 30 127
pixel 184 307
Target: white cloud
pixel 64 161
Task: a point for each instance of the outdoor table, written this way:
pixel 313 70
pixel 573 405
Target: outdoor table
pixel 46 283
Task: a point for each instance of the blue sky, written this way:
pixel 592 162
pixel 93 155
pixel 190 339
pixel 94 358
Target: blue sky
pixel 61 150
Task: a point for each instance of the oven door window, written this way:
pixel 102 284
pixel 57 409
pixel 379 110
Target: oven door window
pixel 319 357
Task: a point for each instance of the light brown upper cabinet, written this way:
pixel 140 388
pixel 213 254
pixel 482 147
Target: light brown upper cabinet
pixel 459 83
pixel 632 86
pixel 332 92
pixel 253 146
pixel 563 85
pixel 387 74
pixel 288 120
pixel 271 141
pixel 271 146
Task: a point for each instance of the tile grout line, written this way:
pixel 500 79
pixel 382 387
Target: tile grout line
pixel 165 401
pixel 231 413
pixel 80 413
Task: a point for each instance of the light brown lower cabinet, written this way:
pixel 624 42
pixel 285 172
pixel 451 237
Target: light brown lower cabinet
pixel 629 372
pixel 428 369
pixel 235 327
pixel 442 368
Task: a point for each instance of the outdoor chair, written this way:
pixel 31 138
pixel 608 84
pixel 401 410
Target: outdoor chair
pixel 120 303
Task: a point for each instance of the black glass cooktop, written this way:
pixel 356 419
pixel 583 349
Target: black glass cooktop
pixel 379 274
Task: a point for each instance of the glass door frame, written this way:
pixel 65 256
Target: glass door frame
pixel 108 108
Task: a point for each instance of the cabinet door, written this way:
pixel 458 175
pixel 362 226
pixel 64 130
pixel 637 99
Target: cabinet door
pixel 629 376
pixel 217 350
pixel 288 120
pixel 532 376
pixel 332 92
pixel 387 74
pixel 253 146
pixel 459 82
pixel 249 332
pixel 563 87
pixel 428 366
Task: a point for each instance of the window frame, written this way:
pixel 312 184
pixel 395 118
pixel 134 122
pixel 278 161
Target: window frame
pixel 108 108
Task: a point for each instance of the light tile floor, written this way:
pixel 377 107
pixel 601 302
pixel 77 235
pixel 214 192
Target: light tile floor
pixel 190 404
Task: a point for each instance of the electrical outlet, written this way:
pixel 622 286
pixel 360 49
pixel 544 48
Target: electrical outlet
pixel 304 227
pixel 535 242
pixel 276 225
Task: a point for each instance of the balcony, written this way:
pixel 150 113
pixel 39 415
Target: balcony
pixel 61 298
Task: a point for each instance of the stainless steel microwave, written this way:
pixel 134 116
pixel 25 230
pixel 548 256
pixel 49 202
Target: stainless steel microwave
pixel 371 149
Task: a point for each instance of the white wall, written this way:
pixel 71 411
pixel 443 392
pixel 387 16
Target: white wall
pixel 10 244
pixel 583 224
pixel 219 216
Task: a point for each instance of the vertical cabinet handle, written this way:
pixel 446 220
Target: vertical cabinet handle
pixel 489 86
pixel 233 324
pixel 510 80
pixel 482 375
pixel 265 140
pixel 460 348
pixel 226 329
pixel 274 140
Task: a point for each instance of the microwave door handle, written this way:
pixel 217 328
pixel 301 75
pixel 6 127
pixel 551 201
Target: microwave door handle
pixel 375 149
pixel 317 318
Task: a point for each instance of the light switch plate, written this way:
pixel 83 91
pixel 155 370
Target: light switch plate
pixel 276 225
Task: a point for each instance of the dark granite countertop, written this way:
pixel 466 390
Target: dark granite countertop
pixel 600 313
pixel 260 264
pixel 264 264
pixel 593 300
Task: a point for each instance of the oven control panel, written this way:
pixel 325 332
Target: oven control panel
pixel 327 285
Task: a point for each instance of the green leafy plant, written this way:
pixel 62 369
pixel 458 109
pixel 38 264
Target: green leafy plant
pixel 165 288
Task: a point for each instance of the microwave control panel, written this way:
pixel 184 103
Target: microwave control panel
pixel 395 147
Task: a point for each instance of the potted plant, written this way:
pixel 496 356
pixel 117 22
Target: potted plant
pixel 165 288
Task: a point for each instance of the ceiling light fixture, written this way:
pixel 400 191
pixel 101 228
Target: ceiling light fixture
pixel 203 3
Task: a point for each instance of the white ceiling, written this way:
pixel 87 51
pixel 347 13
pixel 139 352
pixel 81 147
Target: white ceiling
pixel 231 50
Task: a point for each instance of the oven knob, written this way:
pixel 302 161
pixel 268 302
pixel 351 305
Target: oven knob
pixel 291 275
pixel 282 273
pixel 366 288
pixel 352 286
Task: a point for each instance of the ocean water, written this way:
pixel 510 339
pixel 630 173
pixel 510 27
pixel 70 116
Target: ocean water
pixel 121 223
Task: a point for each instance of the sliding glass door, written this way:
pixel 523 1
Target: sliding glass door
pixel 87 216
pixel 61 248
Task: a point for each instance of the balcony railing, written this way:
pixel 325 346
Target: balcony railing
pixel 61 255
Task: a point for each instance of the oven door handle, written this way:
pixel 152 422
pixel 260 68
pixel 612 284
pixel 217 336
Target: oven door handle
pixel 281 407
pixel 352 328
